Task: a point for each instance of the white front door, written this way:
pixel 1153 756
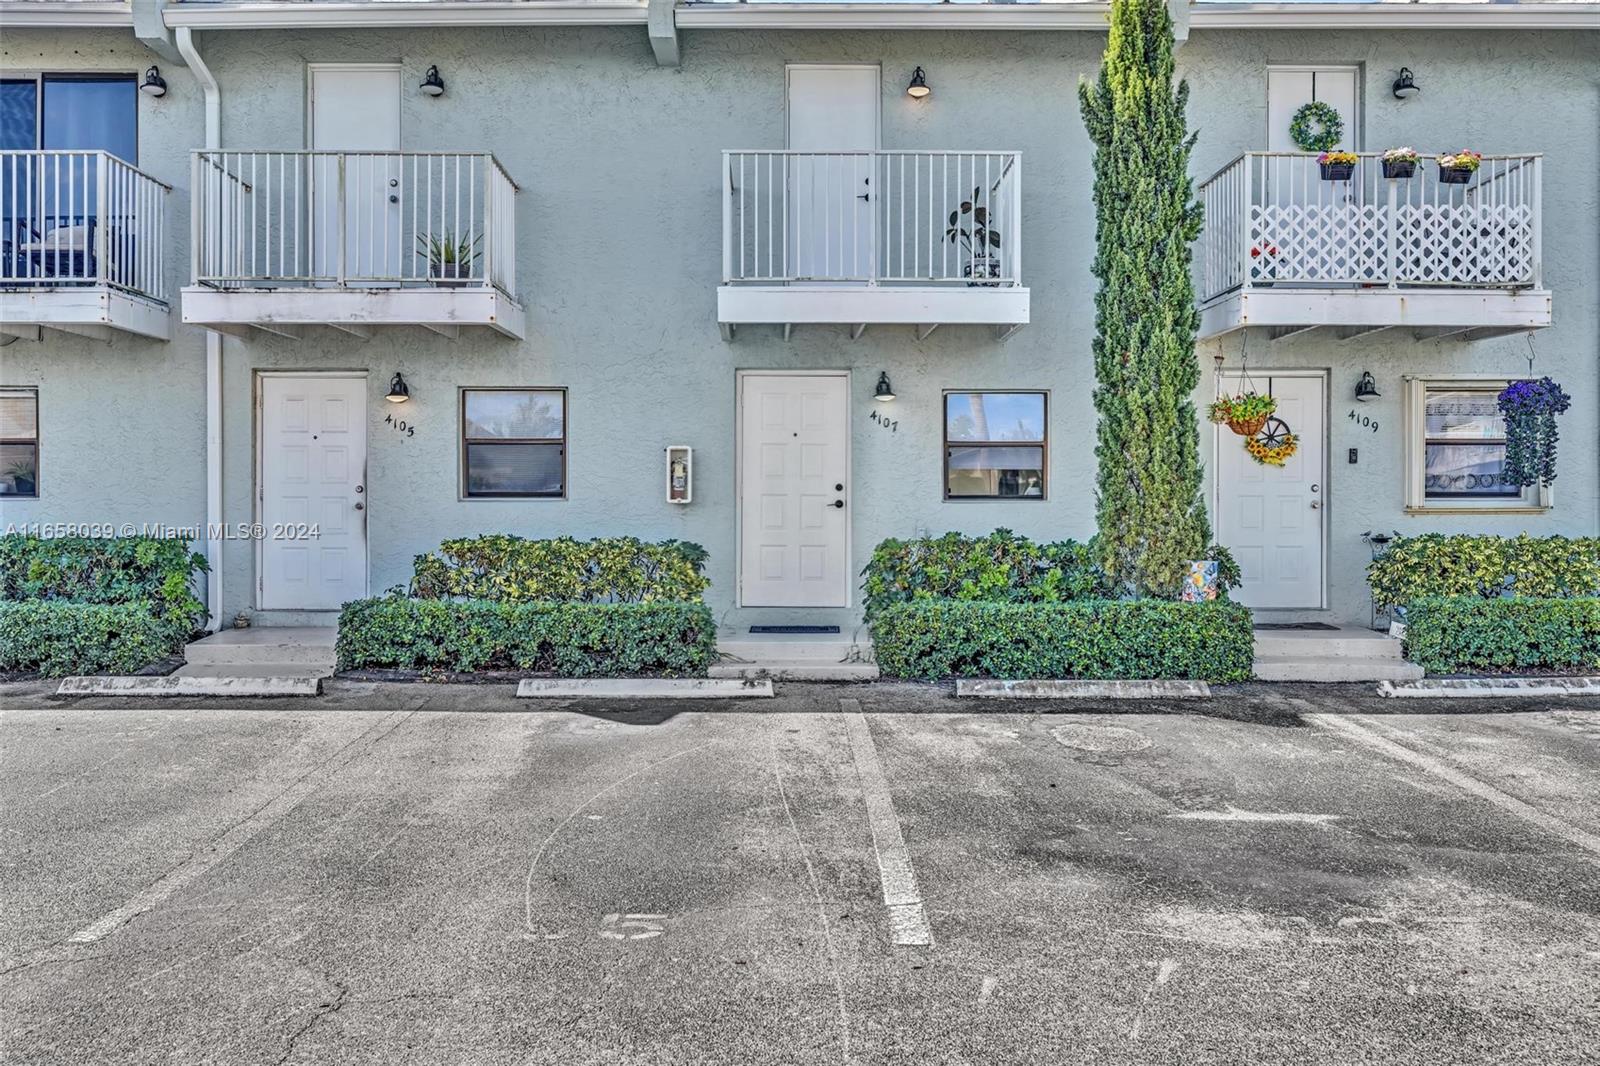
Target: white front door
pixel 832 109
pixel 355 109
pixel 1270 517
pixel 313 491
pixel 794 490
pixel 1291 88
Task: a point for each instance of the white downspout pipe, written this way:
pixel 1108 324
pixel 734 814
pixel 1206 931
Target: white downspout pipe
pixel 213 102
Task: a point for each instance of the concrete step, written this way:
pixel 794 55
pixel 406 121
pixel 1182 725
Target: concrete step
pixel 1333 668
pixel 758 648
pixel 219 670
pixel 797 670
pixel 1337 644
pixel 306 645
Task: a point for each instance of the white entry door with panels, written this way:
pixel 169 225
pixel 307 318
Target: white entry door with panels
pixel 355 109
pixel 1273 518
pixel 833 125
pixel 313 463
pixel 794 489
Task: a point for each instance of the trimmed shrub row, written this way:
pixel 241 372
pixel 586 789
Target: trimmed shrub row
pixel 604 570
pixel 1108 639
pixel 158 572
pixel 57 638
pixel 1456 634
pixel 1434 564
pixel 568 639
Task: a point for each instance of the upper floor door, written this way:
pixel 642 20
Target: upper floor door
pixel 355 110
pixel 832 111
pixel 1291 88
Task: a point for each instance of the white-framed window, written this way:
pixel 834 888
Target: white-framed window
pixel 1456 448
pixel 995 445
pixel 513 443
pixel 19 442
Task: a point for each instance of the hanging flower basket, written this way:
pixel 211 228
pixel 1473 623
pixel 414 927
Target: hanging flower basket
pixel 1457 168
pixel 1337 166
pixel 1245 413
pixel 1530 409
pixel 1400 163
pixel 1274 444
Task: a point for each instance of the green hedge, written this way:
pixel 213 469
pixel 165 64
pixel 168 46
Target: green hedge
pixel 158 572
pixel 1456 634
pixel 568 639
pixel 1105 639
pixel 1438 565
pixel 56 638
pixel 563 570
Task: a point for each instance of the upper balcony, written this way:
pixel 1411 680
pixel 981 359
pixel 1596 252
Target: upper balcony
pixel 80 246
pixel 863 238
pixel 352 240
pixel 1289 251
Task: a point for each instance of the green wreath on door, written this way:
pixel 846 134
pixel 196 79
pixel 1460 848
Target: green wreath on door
pixel 1316 127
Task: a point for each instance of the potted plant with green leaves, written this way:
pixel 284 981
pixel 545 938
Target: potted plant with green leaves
pixel 449 256
pixel 1244 413
pixel 971 227
pixel 1400 162
pixel 24 475
pixel 1337 166
pixel 1457 168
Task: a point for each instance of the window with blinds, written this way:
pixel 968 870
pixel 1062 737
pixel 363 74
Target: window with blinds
pixel 513 443
pixel 19 442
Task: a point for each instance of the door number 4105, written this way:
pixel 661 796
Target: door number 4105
pixel 400 425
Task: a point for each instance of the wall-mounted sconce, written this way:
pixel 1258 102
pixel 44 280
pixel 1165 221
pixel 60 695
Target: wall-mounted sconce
pixel 154 83
pixel 432 84
pixel 1366 388
pixel 1404 86
pixel 884 393
pixel 399 391
pixel 919 85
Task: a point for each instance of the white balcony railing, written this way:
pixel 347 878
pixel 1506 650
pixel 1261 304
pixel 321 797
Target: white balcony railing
pixel 356 220
pixel 1271 220
pixel 872 217
pixel 73 219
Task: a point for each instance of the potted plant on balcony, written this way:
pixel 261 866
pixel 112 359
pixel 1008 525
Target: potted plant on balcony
pixel 1337 166
pixel 1244 413
pixel 449 257
pixel 1263 264
pixel 1457 168
pixel 24 477
pixel 977 237
pixel 1400 162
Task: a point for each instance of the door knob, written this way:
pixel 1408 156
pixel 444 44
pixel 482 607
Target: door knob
pixel 838 503
pixel 393 199
pixel 1316 505
pixel 360 506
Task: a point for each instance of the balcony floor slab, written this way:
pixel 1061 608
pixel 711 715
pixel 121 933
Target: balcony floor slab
pixel 88 310
pixel 1467 313
pixel 443 310
pixel 1004 307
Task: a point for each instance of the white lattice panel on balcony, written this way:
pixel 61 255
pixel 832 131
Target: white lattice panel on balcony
pixel 1465 244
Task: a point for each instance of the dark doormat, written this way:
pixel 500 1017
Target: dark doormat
pixel 1295 625
pixel 794 629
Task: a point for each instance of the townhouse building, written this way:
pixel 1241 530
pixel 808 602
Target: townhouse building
pixel 780 279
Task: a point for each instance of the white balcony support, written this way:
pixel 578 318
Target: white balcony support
pixel 924 238
pixel 81 244
pixel 359 239
pixel 1289 251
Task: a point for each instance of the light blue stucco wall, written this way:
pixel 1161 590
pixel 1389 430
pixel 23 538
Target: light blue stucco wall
pixel 619 234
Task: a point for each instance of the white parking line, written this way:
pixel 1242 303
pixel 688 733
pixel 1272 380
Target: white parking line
pixel 1351 728
pixel 908 922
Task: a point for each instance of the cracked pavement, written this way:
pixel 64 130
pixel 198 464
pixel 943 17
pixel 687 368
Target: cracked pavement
pixel 413 874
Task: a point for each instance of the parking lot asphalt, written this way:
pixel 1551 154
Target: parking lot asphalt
pixel 846 874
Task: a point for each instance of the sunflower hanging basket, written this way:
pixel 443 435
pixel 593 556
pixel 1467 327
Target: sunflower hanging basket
pixel 1245 413
pixel 1273 444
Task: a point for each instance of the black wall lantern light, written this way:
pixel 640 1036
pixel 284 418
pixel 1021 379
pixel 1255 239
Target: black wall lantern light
pixel 399 391
pixel 1366 388
pixel 432 84
pixel 1404 86
pixel 884 393
pixel 919 85
pixel 154 83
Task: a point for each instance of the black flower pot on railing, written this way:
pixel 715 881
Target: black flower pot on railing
pixel 1458 167
pixel 1454 175
pixel 1337 171
pixel 1399 168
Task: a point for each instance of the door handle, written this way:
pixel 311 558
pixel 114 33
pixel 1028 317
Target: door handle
pixel 1316 505
pixel 360 506
pixel 393 199
pixel 867 196
pixel 838 503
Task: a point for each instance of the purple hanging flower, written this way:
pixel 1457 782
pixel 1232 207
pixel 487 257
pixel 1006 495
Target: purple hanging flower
pixel 1530 409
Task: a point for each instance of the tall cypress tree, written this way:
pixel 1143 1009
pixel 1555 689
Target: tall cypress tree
pixel 1151 514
